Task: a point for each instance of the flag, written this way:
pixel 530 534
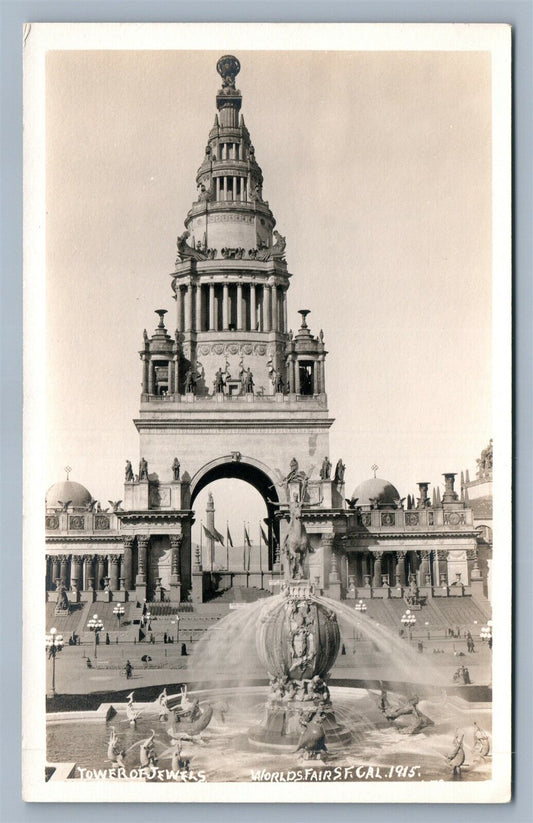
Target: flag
pixel 218 537
pixel 209 533
pixel 247 538
pixel 263 535
pixel 228 537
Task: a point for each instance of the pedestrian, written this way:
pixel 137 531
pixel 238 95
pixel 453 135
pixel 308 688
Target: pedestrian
pixel 107 640
pixel 152 638
pixel 165 638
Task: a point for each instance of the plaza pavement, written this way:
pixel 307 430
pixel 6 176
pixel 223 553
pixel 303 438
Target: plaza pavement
pixel 167 667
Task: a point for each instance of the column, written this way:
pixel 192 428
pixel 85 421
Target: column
pixel 224 192
pixel 113 561
pixel 284 298
pixel 234 188
pixel 179 308
pixel 150 378
pixel 142 547
pixel 211 307
pixel 63 573
pixel 239 306
pixel 275 310
pixel 75 572
pixel 225 306
pixel 217 188
pixel 176 385
pixel 170 376
pixel 425 574
pixel 253 309
pixel 88 562
pixel 127 563
pixel 297 377
pixel 266 308
pixel 322 373
pixel 55 570
pixel 175 581
pixel 188 308
pixel 401 578
pixel 145 373
pixel 377 569
pixel 100 571
pixel 198 318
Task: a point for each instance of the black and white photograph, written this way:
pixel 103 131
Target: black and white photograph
pixel 267 426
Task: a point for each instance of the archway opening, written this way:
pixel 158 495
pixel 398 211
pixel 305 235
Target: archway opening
pixel 235 526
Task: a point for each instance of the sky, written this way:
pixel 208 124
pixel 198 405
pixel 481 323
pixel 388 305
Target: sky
pixel 377 167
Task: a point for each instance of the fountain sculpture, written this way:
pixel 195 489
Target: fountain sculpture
pixel 297 641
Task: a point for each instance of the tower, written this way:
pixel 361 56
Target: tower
pixel 233 392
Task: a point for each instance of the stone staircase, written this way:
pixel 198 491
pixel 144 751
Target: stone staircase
pixel 438 613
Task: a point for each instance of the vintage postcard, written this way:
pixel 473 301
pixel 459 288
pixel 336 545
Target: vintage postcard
pixel 267 277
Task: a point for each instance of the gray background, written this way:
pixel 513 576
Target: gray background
pixel 13 14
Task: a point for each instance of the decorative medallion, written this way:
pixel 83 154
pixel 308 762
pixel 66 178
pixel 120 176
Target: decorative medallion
pixel 411 519
pixel 453 518
pixel 218 348
pixel 365 519
pixel 387 519
pixel 76 522
pixel 233 348
pixel 204 349
pixel 431 519
pixel 260 348
pixel 246 348
pixel 101 522
pixel 52 522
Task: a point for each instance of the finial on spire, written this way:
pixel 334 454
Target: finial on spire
pixel 374 468
pixel 228 67
pixel 68 470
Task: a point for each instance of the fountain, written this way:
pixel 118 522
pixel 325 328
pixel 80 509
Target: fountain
pixel 236 728
pixel 297 642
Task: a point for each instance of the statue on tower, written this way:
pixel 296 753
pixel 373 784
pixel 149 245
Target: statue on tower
pixel 143 469
pixel 128 472
pixel 176 468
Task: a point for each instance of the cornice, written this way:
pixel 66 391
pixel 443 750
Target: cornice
pixel 425 535
pixel 218 424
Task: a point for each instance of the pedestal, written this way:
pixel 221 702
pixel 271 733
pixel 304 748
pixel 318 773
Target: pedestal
pixel 197 587
pixel 140 591
pixel 175 589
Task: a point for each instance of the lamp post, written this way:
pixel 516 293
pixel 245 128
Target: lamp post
pixel 54 644
pixel 408 620
pixel 119 612
pixel 360 607
pixel 95 625
pixel 177 628
pixel 486 633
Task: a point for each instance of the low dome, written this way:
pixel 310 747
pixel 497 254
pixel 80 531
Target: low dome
pixel 79 496
pixel 375 490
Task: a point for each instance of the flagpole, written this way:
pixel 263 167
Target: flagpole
pixel 260 556
pixel 201 544
pixel 249 546
pixel 227 545
pixel 243 546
